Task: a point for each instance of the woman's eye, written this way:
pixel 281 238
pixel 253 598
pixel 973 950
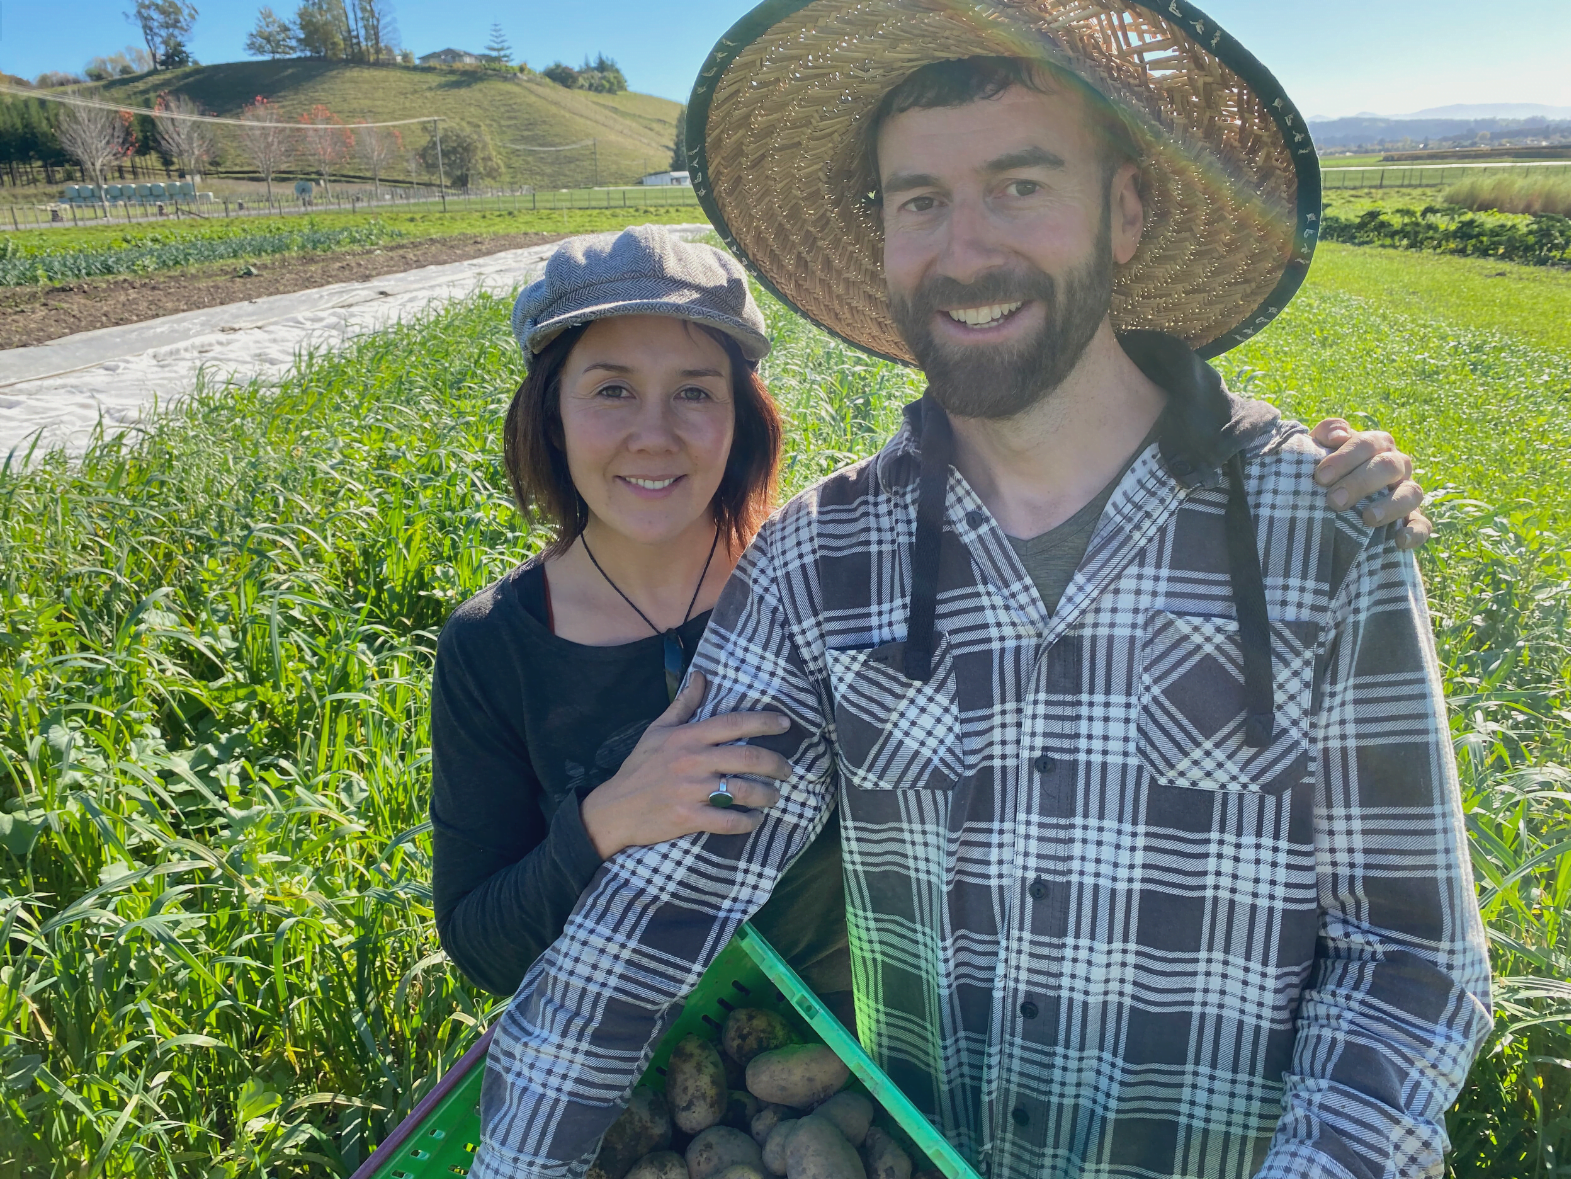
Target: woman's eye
pixel 693 393
pixel 614 392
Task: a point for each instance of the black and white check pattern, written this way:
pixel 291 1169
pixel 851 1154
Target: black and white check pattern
pixel 1093 932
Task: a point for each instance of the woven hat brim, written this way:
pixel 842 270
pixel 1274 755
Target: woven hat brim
pixel 1231 180
pixel 754 345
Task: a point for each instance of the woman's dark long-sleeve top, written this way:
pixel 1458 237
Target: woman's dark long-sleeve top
pixel 524 724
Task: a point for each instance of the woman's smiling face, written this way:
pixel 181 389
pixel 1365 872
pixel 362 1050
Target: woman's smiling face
pixel 647 421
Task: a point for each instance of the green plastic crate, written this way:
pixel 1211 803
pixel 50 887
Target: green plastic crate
pixel 439 1137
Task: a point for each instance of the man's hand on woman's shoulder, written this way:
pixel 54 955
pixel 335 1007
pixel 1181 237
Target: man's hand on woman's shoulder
pixel 1367 462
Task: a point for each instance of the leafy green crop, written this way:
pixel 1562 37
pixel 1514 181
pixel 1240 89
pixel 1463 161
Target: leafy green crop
pixel 148 252
pixel 215 656
pixel 1537 240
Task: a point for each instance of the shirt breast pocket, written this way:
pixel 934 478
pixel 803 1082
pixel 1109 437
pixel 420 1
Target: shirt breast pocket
pixel 891 732
pixel 1192 711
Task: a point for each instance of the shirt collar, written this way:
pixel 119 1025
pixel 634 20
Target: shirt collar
pixel 1201 428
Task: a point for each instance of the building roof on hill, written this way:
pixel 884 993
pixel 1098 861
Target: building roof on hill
pixel 450 55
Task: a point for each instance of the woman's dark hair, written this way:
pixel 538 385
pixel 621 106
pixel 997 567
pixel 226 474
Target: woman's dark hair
pixel 537 465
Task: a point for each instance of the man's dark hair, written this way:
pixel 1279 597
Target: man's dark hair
pixel 971 79
pixel 537 465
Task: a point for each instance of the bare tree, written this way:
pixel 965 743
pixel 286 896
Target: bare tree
pixel 187 141
pixel 95 138
pixel 377 146
pixel 266 139
pixel 327 141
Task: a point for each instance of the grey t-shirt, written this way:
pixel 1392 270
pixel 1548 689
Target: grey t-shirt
pixel 1052 558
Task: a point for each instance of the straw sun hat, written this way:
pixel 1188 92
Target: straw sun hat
pixel 1231 181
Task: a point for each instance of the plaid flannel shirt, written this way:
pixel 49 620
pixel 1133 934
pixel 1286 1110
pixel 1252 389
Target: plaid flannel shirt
pixel 1093 932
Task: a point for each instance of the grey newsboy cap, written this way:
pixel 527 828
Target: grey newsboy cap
pixel 645 270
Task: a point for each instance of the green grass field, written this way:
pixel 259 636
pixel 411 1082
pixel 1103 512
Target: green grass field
pixel 215 646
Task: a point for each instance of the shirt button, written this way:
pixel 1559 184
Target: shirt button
pixel 1021 1115
pixel 1045 764
pixel 974 519
pixel 1038 889
pixel 1028 1009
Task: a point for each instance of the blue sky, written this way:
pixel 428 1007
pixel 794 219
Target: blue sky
pixel 1336 57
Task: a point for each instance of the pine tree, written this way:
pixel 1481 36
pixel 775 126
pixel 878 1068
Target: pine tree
pixel 498 49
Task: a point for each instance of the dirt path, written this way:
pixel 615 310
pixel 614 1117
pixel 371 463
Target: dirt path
pixel 36 315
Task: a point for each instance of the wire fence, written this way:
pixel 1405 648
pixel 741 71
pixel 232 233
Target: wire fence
pixel 1426 175
pixel 347 200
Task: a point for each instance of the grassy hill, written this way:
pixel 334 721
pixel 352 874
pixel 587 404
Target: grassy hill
pixel 633 132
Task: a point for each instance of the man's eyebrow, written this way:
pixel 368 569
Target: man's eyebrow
pixel 906 181
pixel 1028 157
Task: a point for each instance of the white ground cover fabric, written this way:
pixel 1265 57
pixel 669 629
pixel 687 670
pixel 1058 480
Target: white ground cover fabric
pixel 121 373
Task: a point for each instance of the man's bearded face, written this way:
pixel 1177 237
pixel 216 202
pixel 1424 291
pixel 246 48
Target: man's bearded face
pixel 985 380
pixel 999 248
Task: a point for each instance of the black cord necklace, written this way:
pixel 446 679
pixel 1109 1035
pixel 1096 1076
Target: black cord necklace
pixel 675 656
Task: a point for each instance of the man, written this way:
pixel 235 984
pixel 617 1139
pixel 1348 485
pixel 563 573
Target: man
pixel 1153 850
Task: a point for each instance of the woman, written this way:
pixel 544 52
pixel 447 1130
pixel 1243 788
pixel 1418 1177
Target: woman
pixel 644 434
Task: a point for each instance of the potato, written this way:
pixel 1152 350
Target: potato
pixel 851 1113
pixel 662 1164
pixel 695 1085
pixel 884 1157
pixel 775 1147
pixel 720 1147
pixel 645 1125
pixel 819 1151
pixel 801 1075
pixel 751 1030
pixel 742 1171
pixel 766 1119
pixel 741 1107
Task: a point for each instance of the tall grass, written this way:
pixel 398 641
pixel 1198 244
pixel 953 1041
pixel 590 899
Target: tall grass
pixel 1514 190
pixel 215 644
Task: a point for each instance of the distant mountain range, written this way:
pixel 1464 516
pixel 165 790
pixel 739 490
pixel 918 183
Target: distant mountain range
pixel 1446 125
pixel 1465 110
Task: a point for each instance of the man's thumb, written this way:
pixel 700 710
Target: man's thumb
pixel 681 710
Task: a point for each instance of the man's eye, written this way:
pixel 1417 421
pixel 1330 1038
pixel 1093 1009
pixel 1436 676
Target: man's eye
pixel 921 204
pixel 1023 188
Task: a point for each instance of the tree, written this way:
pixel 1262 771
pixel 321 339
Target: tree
pixel 188 142
pixel 497 47
pixel 265 138
pixel 96 138
pixel 327 141
pixel 602 75
pixel 272 37
pixel 165 26
pixel 378 31
pixel 56 78
pixel 679 145
pixel 562 75
pixel 377 147
pixel 131 60
pixel 467 154
pixel 319 31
